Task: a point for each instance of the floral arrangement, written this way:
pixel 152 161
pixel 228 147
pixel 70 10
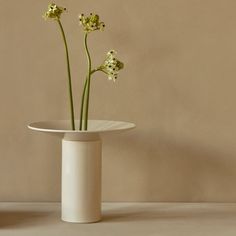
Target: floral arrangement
pixel 110 66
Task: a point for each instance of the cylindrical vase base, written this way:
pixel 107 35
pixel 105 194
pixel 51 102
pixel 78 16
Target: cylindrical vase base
pixel 81 181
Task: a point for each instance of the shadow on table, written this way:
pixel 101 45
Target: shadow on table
pixel 16 219
pixel 170 212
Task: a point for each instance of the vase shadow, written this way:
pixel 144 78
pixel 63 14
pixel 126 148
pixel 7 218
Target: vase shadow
pixel 17 219
pixel 170 212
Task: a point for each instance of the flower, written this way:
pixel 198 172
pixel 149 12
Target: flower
pixel 53 12
pixel 112 65
pixel 91 22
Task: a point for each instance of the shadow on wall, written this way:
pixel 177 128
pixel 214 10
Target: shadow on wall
pixel 164 169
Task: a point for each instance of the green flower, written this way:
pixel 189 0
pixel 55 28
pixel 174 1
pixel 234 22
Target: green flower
pixel 91 22
pixel 53 12
pixel 112 65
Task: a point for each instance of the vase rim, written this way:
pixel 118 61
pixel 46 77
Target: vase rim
pixel 94 126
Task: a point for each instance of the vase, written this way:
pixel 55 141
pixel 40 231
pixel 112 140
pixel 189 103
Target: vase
pixel 81 166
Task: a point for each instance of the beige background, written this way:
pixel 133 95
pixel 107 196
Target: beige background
pixel 178 86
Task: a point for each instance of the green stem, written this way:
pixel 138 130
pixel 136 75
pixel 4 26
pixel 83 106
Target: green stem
pixel 88 83
pixel 69 77
pixel 82 105
pixel 83 96
pixel 82 100
pixel 95 70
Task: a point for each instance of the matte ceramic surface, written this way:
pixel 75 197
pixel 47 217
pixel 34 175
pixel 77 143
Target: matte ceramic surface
pixel 62 128
pixel 81 166
pixel 94 126
pixel 81 181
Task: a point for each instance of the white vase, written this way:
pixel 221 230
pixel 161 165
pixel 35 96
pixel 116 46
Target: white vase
pixel 81 166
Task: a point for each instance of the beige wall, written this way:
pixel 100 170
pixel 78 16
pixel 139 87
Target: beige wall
pixel 178 87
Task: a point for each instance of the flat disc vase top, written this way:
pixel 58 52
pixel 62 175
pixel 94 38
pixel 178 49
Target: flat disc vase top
pixel 62 128
pixel 81 165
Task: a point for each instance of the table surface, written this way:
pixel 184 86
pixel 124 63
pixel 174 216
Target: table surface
pixel 121 219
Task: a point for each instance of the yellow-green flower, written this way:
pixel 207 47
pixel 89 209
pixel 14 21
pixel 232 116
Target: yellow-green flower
pixel 112 65
pixel 91 23
pixel 53 12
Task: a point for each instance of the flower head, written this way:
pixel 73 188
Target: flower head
pixel 91 23
pixel 112 65
pixel 53 12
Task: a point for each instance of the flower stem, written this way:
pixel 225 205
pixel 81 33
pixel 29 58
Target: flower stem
pixel 88 83
pixel 83 96
pixel 82 105
pixel 69 76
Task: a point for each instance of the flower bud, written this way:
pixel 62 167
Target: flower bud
pixel 91 23
pixel 112 65
pixel 53 12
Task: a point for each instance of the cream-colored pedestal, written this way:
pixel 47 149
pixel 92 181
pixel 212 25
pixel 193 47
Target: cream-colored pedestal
pixel 81 181
pixel 81 166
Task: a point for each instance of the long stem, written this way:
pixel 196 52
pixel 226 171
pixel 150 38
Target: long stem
pixel 69 77
pixel 88 83
pixel 82 105
pixel 83 96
